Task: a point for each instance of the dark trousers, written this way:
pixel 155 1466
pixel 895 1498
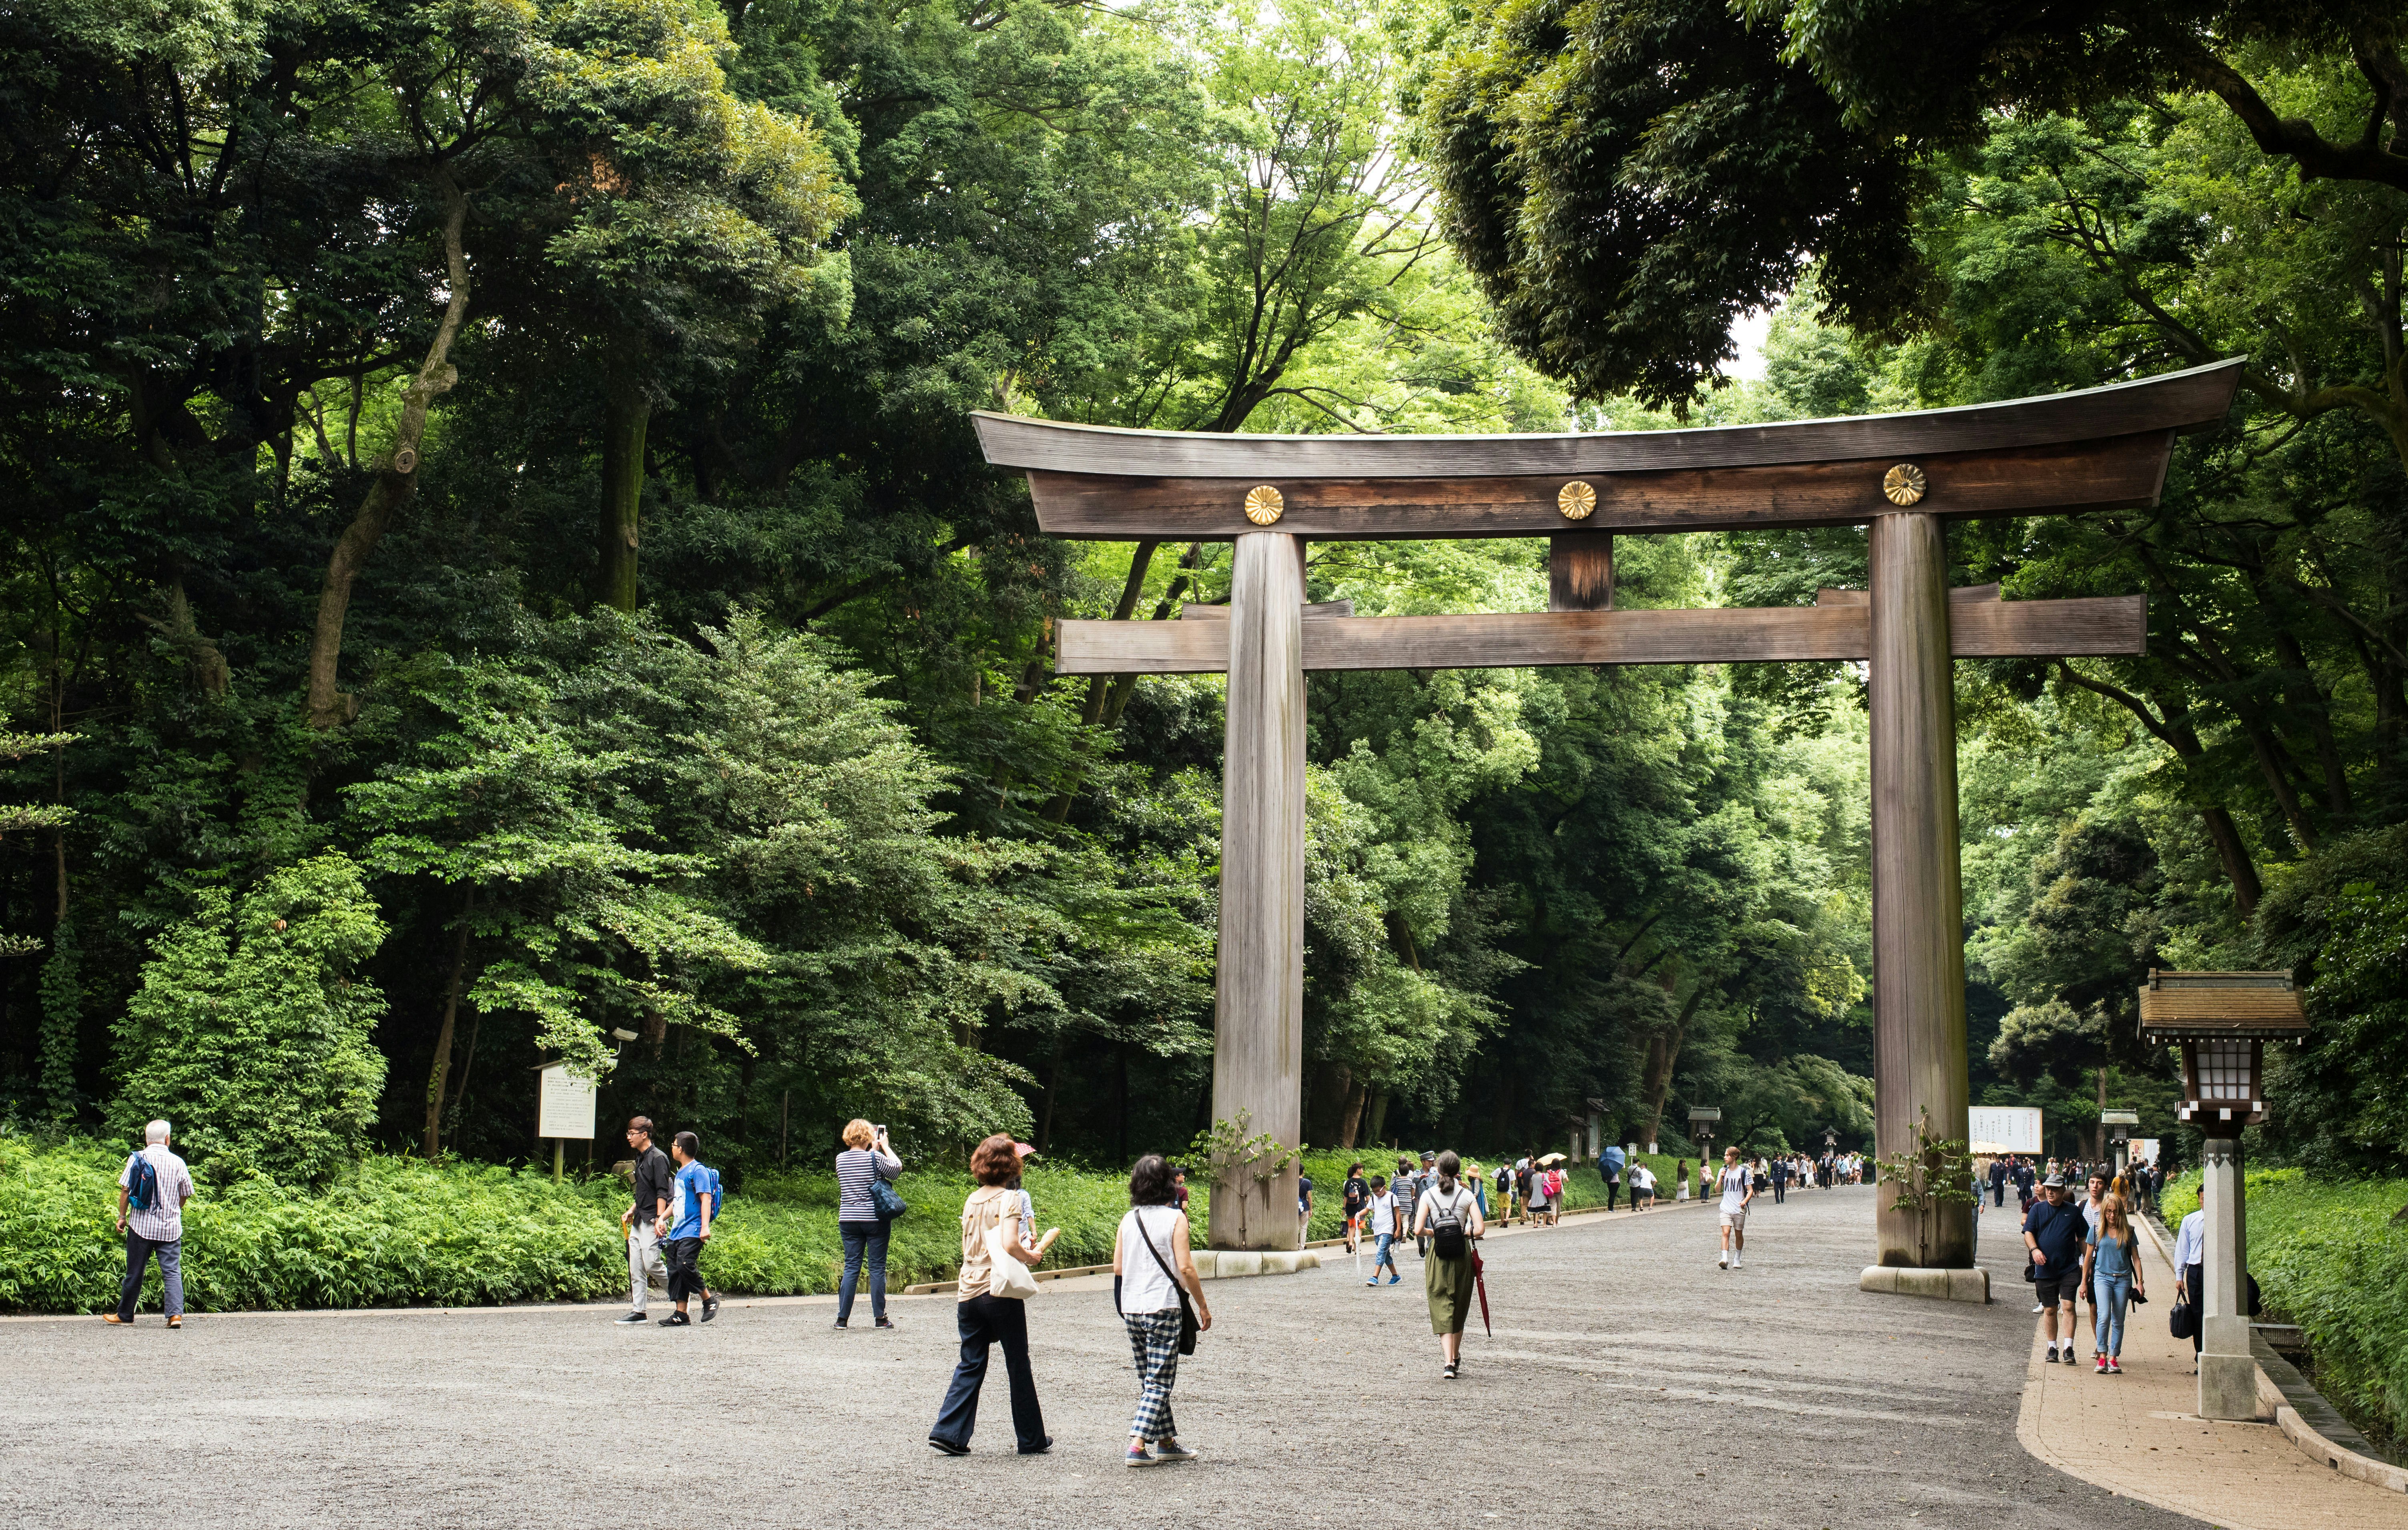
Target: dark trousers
pixel 2194 1285
pixel 1612 1187
pixel 984 1322
pixel 1999 1192
pixel 862 1239
pixel 685 1275
pixel 138 1251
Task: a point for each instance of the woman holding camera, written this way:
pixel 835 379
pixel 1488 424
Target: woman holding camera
pixel 866 1158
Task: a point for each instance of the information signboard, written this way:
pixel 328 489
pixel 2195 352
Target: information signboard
pixel 564 1105
pixel 2004 1128
pixel 2143 1149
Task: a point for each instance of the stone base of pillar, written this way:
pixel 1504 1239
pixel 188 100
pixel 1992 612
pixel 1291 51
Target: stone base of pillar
pixel 1237 1264
pixel 2228 1386
pixel 1947 1286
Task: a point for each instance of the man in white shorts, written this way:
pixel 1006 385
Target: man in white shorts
pixel 1737 1187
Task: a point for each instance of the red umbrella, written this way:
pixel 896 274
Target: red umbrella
pixel 1480 1284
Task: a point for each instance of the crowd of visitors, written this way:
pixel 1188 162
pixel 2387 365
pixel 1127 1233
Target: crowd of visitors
pixel 1443 1204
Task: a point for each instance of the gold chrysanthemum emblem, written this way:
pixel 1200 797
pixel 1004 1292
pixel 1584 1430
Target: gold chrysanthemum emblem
pixel 1264 505
pixel 1576 499
pixel 1903 484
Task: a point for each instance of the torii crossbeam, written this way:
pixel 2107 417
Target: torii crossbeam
pixel 1901 474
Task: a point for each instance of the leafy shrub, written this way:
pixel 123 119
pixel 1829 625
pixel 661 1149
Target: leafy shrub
pixel 249 1032
pixel 399 1231
pixel 2329 1258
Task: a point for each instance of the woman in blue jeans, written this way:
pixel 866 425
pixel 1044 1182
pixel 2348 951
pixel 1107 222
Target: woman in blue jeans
pixel 2113 1264
pixel 866 1158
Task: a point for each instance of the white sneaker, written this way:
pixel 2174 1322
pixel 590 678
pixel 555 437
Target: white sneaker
pixel 1735 1261
pixel 1721 1260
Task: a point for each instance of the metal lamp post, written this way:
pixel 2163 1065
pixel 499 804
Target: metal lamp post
pixel 2222 1022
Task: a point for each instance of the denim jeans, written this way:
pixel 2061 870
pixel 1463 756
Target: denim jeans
pixel 986 1320
pixel 138 1251
pixel 863 1238
pixel 2112 1292
pixel 1382 1254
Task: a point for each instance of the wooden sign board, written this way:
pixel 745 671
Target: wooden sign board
pixel 563 1103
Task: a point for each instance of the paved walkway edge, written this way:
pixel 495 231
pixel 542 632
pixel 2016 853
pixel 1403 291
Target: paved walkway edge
pixel 2227 1503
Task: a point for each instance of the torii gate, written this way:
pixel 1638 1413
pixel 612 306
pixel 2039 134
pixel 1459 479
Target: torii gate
pixel 2098 449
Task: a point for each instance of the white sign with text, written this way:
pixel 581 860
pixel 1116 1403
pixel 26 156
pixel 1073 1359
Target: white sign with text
pixel 564 1105
pixel 2004 1128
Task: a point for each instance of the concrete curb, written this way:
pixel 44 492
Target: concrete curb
pixel 2313 1424
pixel 1948 1285
pixel 2298 1408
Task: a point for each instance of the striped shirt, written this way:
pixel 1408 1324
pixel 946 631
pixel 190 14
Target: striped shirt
pixel 163 1222
pixel 854 1167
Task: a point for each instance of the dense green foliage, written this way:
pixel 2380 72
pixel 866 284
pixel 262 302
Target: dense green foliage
pixel 496 480
pixel 398 1232
pixel 251 1023
pixel 2332 1257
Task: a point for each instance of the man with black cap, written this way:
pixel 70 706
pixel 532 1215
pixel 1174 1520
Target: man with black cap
pixel 2054 1234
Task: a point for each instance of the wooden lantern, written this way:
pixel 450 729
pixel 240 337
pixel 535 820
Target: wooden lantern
pixel 2222 1020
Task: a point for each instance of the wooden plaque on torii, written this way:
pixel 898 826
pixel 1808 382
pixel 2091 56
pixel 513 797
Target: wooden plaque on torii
pixel 1900 474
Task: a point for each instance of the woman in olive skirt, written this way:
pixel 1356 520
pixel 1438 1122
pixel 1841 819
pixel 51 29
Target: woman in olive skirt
pixel 1450 1214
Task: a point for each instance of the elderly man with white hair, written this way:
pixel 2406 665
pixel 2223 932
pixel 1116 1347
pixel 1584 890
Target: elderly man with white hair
pixel 151 1191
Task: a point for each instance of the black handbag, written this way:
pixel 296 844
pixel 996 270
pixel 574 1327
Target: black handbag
pixel 2183 1321
pixel 1186 1313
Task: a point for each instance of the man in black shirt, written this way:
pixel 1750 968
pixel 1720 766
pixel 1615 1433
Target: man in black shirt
pixel 642 1222
pixel 2055 1234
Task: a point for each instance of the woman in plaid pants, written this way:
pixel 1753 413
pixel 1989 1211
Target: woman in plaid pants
pixel 1152 1263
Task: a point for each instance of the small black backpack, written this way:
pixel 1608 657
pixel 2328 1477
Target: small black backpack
pixel 1446 1225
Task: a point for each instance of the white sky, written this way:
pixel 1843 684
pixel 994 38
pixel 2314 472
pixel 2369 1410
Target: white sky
pixel 1748 336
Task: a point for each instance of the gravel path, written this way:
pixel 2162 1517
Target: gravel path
pixel 1630 1382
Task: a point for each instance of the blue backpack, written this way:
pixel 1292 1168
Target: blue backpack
pixel 141 1184
pixel 718 1195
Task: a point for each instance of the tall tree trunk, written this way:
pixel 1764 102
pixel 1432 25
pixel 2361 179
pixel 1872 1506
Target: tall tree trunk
pixel 1329 1085
pixel 1120 1092
pixel 2233 851
pixel 1350 1126
pixel 2174 729
pixel 2098 1131
pixel 438 1073
pixel 1379 1117
pixel 397 480
pixel 1107 695
pixel 1053 1087
pixel 629 412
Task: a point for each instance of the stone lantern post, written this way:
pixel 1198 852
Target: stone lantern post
pixel 2222 1022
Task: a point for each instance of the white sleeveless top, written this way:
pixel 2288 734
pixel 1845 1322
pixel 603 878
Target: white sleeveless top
pixel 1144 1286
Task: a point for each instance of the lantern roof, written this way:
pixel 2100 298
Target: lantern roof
pixel 2213 1006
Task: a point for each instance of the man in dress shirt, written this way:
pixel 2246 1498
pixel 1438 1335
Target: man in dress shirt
pixel 2190 1262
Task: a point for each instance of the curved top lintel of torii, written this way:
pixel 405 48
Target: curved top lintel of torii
pixel 2195 399
pixel 2093 448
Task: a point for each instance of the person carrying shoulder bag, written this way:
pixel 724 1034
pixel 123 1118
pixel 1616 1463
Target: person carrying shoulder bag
pixel 1153 1276
pixel 985 1313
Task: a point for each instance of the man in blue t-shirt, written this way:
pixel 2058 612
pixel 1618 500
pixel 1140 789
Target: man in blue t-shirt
pixel 694 1199
pixel 2055 1234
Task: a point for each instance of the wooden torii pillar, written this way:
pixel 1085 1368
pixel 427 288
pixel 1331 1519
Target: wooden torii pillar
pixel 1902 474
